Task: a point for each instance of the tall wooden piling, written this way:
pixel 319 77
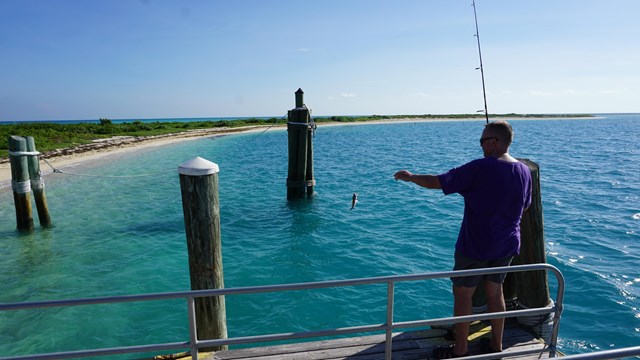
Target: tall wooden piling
pixel 37 184
pixel 526 289
pixel 20 182
pixel 201 207
pixel 532 287
pixel 300 129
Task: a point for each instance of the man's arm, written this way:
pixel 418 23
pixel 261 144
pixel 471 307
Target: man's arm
pixel 427 181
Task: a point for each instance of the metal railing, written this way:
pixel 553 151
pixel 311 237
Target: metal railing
pixel 388 326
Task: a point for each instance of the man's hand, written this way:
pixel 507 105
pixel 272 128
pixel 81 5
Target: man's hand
pixel 403 175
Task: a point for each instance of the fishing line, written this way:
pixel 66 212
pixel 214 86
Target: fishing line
pixel 312 124
pixel 58 171
pixel 265 130
pixel 477 35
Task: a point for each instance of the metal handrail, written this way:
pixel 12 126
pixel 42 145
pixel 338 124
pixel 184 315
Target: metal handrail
pixel 194 344
pixel 607 354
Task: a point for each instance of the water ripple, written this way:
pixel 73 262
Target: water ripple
pixel 126 237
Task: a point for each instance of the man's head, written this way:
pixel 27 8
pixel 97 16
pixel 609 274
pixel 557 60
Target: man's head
pixel 496 138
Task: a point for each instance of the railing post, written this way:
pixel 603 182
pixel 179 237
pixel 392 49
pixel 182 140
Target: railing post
pixel 193 331
pixel 201 206
pixel 388 344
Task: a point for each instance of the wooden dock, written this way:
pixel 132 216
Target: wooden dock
pixel 406 346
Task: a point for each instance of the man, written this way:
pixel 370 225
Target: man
pixel 496 191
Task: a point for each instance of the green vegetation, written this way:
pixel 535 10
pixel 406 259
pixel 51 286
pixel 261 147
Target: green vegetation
pixel 52 136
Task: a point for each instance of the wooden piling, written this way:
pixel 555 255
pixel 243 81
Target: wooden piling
pixel 526 289
pixel 300 178
pixel 532 287
pixel 20 183
pixel 201 207
pixel 37 184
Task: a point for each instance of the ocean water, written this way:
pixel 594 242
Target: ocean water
pixel 117 232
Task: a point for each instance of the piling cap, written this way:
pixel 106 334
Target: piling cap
pixel 299 98
pixel 198 167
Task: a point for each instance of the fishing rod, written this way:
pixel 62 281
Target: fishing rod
pixel 477 35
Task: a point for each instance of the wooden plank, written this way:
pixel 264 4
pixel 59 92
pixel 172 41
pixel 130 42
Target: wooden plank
pixel 353 342
pixel 375 351
pixel 409 345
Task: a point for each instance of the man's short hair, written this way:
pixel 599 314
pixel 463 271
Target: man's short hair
pixel 502 130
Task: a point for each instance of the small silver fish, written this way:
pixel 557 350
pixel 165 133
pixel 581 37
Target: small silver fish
pixel 354 200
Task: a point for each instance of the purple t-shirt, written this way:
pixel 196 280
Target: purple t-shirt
pixel 495 194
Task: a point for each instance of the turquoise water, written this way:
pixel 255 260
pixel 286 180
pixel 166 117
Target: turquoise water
pixel 116 234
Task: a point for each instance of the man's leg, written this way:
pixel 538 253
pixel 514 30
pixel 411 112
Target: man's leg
pixel 462 299
pixel 495 303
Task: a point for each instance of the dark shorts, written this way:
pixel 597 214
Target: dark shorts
pixel 465 263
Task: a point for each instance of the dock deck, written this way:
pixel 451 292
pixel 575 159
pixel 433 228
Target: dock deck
pixel 406 346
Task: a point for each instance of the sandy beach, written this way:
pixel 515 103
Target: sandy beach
pixel 104 147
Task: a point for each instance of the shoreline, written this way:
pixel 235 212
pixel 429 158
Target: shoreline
pixel 101 148
pixel 121 144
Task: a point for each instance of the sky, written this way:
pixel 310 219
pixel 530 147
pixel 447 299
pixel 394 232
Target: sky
pixel 146 59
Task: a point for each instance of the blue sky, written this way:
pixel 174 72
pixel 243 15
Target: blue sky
pixel 128 59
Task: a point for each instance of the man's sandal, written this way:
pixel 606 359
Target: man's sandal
pixel 446 352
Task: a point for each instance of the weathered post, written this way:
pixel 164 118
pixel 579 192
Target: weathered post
pixel 201 207
pixel 532 287
pixel 20 182
pixel 300 132
pixel 37 183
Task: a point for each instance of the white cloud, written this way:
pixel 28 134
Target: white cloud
pixel 348 95
pixel 303 50
pixel 565 92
